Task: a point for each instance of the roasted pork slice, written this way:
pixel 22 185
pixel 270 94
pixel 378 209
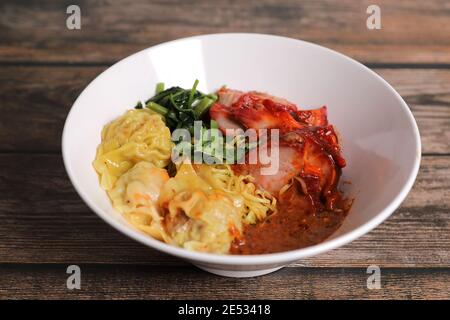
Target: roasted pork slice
pixel 227 97
pixel 224 118
pixel 255 110
pixel 302 159
pixel 314 117
pixel 256 113
pixel 325 137
pixel 289 165
pixel 260 110
pixel 308 150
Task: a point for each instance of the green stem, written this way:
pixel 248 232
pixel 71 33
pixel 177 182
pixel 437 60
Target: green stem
pixel 193 90
pixel 202 107
pixel 159 87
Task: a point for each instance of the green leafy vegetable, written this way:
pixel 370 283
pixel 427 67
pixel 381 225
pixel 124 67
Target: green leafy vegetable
pixel 181 108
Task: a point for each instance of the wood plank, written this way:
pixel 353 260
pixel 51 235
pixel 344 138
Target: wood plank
pixel 36 100
pixel 109 282
pixel 44 221
pixel 412 31
pixel 427 92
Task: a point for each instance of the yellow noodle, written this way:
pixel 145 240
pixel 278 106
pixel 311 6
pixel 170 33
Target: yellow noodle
pixel 257 203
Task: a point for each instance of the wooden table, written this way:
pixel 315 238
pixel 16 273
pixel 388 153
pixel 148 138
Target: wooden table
pixel 45 226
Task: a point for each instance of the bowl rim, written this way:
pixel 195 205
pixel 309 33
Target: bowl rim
pixel 260 259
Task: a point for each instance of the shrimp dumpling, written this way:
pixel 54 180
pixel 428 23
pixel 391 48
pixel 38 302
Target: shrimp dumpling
pixel 197 216
pixel 135 195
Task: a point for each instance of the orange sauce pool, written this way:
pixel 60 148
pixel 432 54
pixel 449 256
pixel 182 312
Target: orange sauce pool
pixel 296 224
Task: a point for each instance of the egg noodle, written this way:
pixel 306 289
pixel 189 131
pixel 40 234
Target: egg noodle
pixel 258 203
pixel 203 207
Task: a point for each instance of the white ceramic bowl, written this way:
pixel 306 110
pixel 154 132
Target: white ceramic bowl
pixel 380 138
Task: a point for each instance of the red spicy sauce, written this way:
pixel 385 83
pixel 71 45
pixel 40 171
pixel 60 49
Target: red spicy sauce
pixel 296 224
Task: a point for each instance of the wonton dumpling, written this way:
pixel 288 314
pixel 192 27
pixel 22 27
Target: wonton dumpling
pixel 135 195
pixel 198 217
pixel 138 135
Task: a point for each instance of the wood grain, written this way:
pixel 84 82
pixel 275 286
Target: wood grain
pixel 44 221
pixel 45 226
pixel 412 31
pixel 38 107
pixel 134 282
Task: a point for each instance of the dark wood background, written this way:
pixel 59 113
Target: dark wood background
pixel 44 225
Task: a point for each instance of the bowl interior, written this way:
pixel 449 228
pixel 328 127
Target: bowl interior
pixel 379 136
